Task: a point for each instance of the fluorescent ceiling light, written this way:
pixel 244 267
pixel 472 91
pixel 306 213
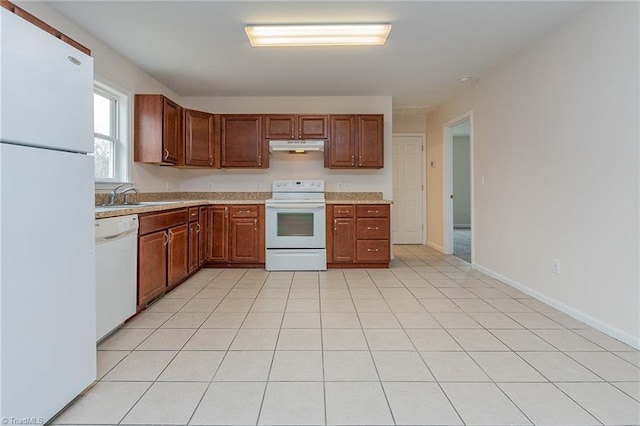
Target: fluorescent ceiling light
pixel 318 35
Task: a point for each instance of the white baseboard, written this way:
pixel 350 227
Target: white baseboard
pixel 612 331
pixel 435 246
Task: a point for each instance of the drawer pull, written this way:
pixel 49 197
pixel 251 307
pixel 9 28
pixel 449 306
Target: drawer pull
pixel 343 211
pixel 373 211
pixel 369 228
pixel 166 153
pixel 165 238
pixel 373 250
pixel 197 228
pixel 244 212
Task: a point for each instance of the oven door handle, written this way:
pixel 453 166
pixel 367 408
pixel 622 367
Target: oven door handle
pixel 295 206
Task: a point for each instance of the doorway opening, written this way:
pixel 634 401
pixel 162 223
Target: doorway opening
pixel 409 201
pixel 458 182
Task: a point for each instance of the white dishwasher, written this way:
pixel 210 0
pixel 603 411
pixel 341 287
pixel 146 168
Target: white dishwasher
pixel 116 272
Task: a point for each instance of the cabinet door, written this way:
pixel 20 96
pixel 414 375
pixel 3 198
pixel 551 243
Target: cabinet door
pixel 171 131
pixel 217 234
pixel 194 245
pixel 177 255
pixel 312 127
pixel 370 141
pixel 280 126
pixel 342 147
pixel 343 241
pixel 199 138
pixel 152 266
pixel 202 236
pixel 244 241
pixel 241 142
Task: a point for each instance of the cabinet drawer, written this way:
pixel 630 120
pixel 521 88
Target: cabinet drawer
pixel 156 221
pixel 244 211
pixel 372 229
pixel 194 214
pixel 343 211
pixel 373 210
pixel 372 250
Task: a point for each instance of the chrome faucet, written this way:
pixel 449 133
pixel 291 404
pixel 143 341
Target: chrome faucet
pixel 126 192
pixel 114 193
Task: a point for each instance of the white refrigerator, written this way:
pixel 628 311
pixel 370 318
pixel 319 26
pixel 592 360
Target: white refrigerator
pixel 47 266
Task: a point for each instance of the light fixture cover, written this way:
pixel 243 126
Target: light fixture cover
pixel 318 35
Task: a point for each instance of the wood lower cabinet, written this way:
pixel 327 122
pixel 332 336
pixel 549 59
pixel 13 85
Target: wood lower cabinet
pixel 356 141
pixel 152 266
pixel 340 234
pixel 157 130
pixel 177 255
pixel 241 141
pixel 194 239
pixel 202 236
pixel 217 234
pixel 358 235
pixel 235 235
pixel 162 253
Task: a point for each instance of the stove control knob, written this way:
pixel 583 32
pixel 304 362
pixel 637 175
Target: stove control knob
pixel 284 183
pixel 278 184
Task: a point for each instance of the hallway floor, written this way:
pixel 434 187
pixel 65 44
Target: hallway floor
pixel 427 342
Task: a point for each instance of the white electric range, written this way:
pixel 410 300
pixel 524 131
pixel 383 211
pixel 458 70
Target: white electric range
pixel 295 226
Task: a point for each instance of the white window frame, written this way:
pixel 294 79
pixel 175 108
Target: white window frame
pixel 121 126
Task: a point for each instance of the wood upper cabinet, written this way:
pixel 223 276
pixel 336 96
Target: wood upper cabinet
pixel 291 126
pixel 370 141
pixel 241 141
pixel 356 141
pixel 200 139
pixel 217 234
pixel 157 130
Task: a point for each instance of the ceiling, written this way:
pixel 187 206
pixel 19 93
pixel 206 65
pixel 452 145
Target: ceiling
pixel 199 48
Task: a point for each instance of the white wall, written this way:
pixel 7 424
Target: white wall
pixel 289 166
pixel 461 182
pixel 556 139
pixel 116 69
pixel 409 123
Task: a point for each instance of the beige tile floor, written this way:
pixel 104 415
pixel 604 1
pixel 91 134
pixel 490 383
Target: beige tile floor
pixel 427 342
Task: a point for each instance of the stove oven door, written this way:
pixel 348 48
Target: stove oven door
pixel 295 225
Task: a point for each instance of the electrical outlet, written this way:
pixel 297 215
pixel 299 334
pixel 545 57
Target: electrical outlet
pixel 556 266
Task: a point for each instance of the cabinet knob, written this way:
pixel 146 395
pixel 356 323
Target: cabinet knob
pixel 166 153
pixel 165 238
pixel 335 224
pixel 259 160
pixel 211 160
pixel 197 228
pixel 353 162
pixel 170 236
pixel 255 224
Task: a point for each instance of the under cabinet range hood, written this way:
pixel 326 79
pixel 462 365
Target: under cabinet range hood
pixel 296 146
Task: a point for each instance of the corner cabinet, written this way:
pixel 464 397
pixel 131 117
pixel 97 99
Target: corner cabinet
pixel 241 141
pixel 293 126
pixel 358 235
pixel 355 141
pixel 157 130
pixel 200 139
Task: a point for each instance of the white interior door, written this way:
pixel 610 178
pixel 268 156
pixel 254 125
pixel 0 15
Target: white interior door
pixel 408 188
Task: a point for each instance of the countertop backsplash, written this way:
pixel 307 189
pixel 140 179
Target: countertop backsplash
pixel 103 198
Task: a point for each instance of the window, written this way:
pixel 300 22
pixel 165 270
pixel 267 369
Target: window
pixel 110 109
